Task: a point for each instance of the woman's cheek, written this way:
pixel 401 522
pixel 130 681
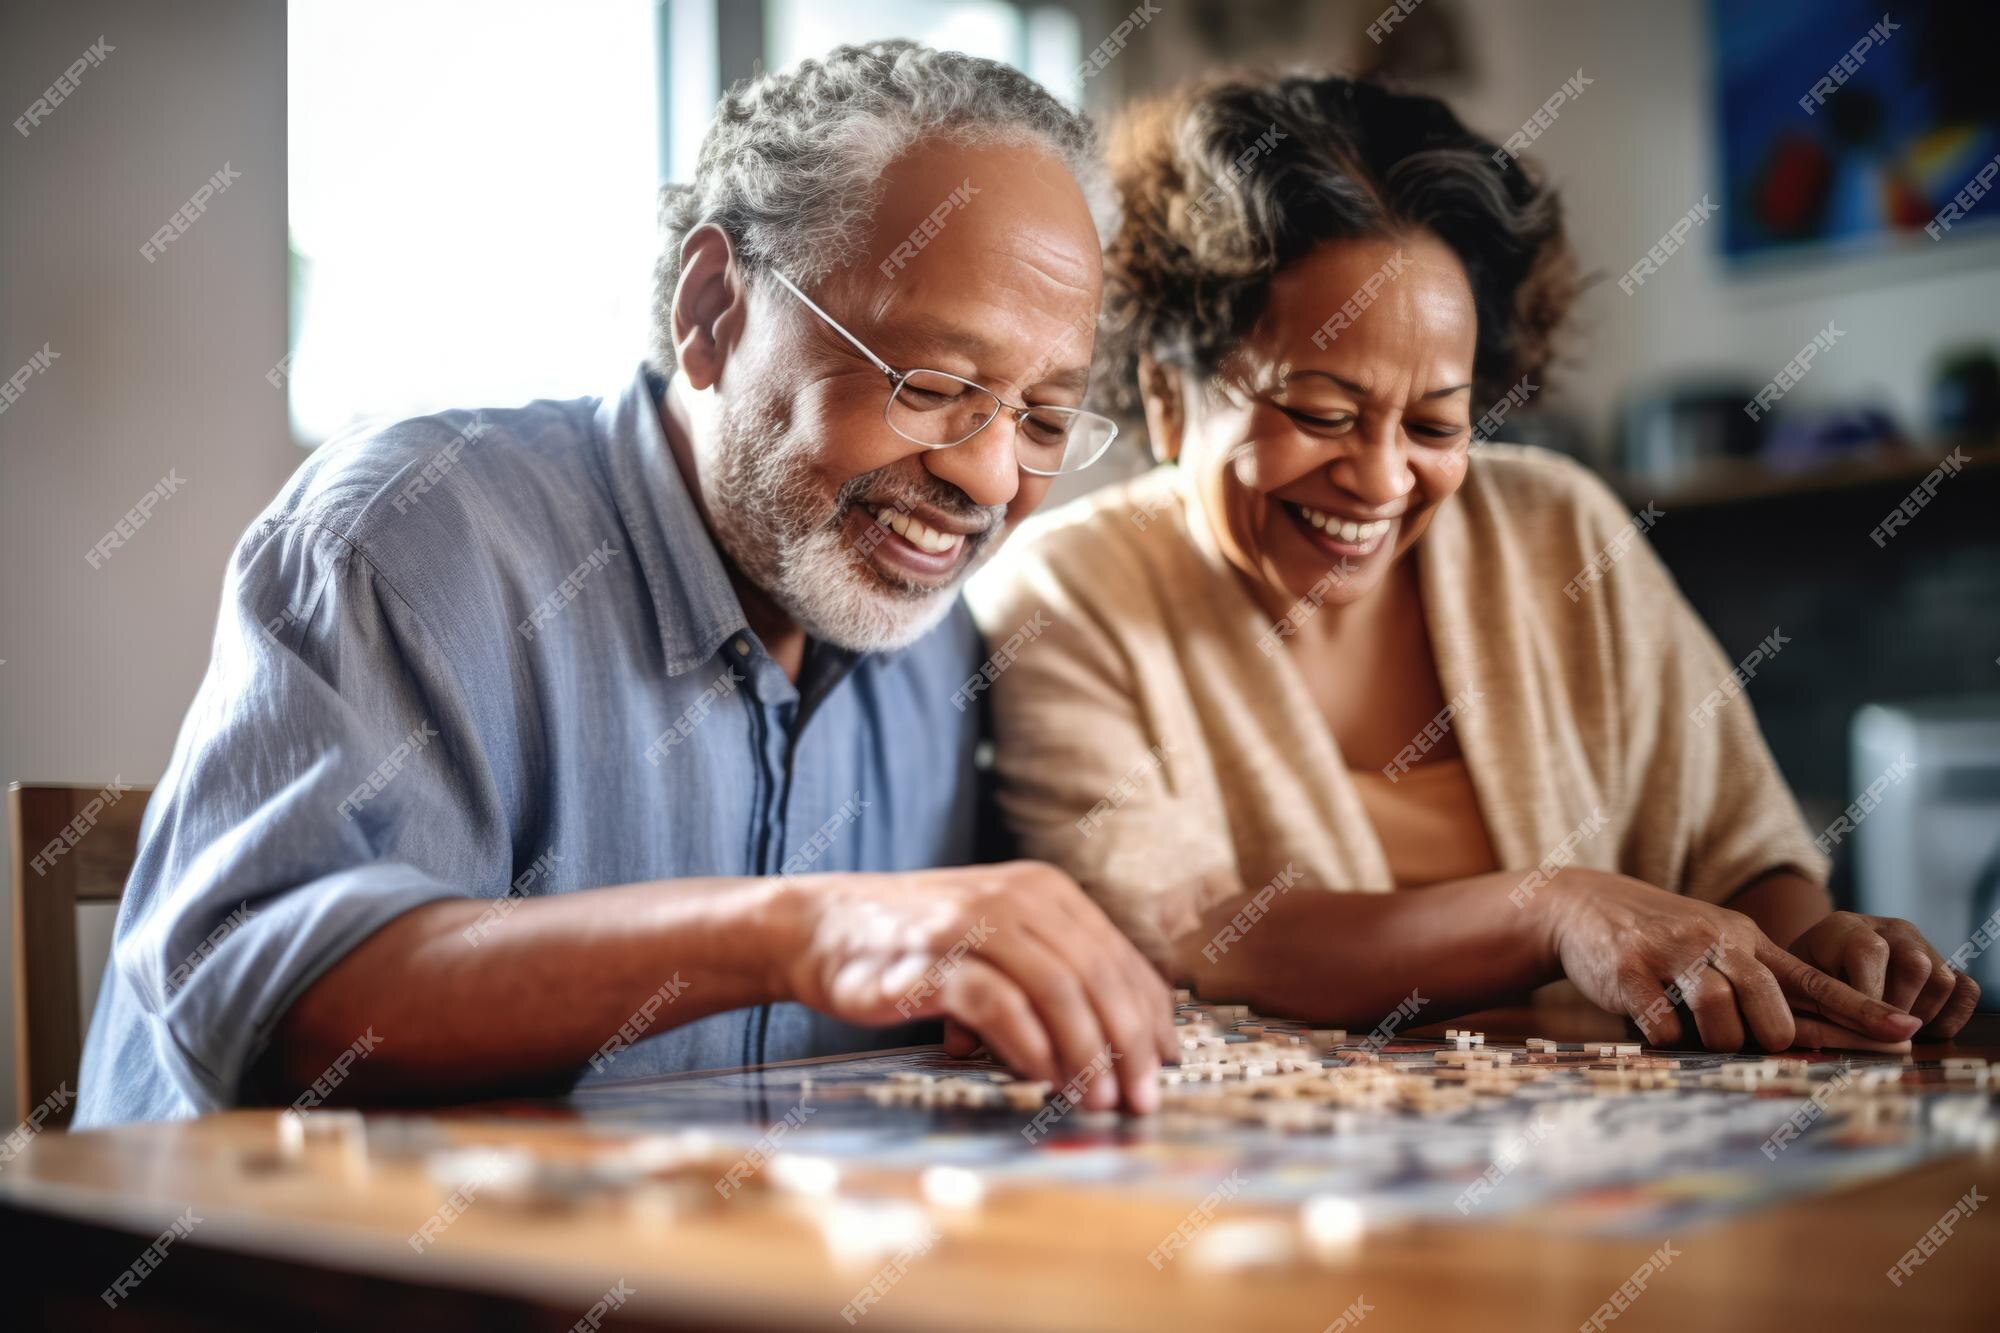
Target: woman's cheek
pixel 1247 496
pixel 1436 484
pixel 1449 473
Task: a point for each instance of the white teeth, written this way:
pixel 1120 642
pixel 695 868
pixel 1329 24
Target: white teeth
pixel 1355 534
pixel 916 532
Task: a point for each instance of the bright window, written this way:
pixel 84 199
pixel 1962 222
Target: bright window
pixel 473 196
pixel 1040 40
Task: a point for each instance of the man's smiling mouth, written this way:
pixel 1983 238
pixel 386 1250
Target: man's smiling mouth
pixel 909 554
pixel 917 532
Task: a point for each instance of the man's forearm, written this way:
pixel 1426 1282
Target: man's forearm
pixel 1350 958
pixel 538 995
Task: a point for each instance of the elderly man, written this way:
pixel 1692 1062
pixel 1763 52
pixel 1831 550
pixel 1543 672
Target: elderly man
pixel 599 738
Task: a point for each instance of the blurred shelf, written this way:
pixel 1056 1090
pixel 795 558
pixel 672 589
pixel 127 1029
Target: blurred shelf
pixel 1728 481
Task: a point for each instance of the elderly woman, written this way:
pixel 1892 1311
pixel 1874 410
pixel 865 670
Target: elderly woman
pixel 1339 709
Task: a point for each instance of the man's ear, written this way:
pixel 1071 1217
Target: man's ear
pixel 1166 410
pixel 709 305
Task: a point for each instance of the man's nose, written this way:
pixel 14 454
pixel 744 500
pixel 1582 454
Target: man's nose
pixel 985 467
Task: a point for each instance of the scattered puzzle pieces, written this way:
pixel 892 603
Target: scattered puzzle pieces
pixel 1236 1066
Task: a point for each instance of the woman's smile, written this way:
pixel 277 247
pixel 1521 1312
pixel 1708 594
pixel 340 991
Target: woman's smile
pixel 1343 538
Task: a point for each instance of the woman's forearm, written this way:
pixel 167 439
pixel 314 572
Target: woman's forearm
pixel 1783 903
pixel 1351 958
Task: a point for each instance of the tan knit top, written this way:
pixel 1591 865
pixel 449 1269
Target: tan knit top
pixel 1157 741
pixel 1428 822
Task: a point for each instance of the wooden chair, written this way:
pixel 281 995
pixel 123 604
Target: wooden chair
pixel 48 1015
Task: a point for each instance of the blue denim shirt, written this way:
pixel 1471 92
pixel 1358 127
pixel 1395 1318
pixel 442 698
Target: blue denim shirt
pixel 491 654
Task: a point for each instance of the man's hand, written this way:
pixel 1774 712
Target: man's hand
pixel 1624 942
pixel 1014 953
pixel 1889 959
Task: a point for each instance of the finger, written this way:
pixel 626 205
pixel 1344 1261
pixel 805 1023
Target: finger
pixel 1939 983
pixel 1123 1007
pixel 1165 1034
pixel 1759 998
pixel 1173 1056
pixel 1818 1034
pixel 1958 1007
pixel 1935 980
pixel 1939 989
pixel 982 998
pixel 1646 1001
pixel 1067 1013
pixel 959 1041
pixel 1813 991
pixel 1909 972
pixel 1713 1001
pixel 1149 989
pixel 1864 963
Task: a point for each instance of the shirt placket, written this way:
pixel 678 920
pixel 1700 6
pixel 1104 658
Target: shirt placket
pixel 774 704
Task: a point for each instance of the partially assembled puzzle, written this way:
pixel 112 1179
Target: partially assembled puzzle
pixel 1604 1136
pixel 1329 1133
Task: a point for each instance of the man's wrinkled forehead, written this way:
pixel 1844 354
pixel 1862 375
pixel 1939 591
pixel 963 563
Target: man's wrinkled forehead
pixel 992 244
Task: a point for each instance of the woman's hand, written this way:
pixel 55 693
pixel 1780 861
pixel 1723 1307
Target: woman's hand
pixel 1638 950
pixel 1889 959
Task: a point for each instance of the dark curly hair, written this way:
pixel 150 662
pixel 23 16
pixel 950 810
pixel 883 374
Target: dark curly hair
pixel 1224 184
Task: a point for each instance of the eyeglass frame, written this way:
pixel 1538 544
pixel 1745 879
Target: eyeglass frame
pixel 898 377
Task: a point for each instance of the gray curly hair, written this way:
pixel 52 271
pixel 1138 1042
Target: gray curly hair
pixel 791 168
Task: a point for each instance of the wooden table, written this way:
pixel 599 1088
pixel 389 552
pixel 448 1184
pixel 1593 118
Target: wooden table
pixel 286 1249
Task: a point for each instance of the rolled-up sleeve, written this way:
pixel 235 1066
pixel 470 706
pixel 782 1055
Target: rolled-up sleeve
pixel 327 774
pixel 1711 811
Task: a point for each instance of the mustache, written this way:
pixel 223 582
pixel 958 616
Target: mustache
pixel 899 491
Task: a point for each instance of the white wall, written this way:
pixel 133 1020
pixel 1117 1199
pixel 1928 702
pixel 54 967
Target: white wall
pixel 161 367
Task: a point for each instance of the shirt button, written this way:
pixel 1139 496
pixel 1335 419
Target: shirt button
pixel 742 647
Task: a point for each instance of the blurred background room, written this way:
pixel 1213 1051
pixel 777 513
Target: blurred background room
pixel 434 203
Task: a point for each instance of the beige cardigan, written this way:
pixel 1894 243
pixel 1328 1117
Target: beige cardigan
pixel 1157 741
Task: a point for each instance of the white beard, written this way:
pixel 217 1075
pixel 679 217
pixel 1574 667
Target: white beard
pixel 770 520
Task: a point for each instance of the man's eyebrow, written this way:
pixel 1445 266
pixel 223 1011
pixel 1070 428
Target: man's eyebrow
pixel 982 347
pixel 1069 377
pixel 1361 391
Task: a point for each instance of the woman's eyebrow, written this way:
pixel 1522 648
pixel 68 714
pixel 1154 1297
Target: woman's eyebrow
pixel 1361 390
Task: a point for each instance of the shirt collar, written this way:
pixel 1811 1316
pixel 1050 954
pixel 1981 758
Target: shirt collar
pixel 695 604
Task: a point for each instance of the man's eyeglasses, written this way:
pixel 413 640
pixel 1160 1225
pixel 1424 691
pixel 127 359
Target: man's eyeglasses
pixel 937 410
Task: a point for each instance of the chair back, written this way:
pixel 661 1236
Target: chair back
pixel 71 844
